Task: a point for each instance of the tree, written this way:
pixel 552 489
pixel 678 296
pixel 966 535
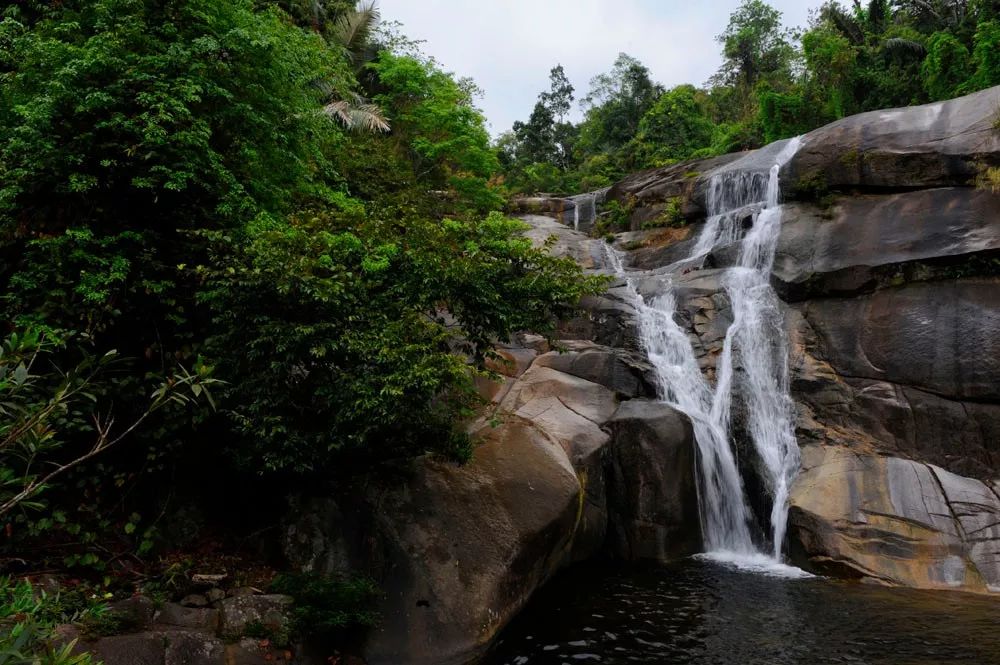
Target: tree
pixel 946 67
pixel 434 116
pixel 986 57
pixel 676 126
pixel 616 104
pixel 756 48
pixel 340 339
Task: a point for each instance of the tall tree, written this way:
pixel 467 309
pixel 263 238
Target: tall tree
pixel 616 103
pixel 756 48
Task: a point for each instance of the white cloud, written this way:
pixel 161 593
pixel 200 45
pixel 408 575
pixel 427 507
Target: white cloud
pixel 508 46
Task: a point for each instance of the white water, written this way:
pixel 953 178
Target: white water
pixel 756 341
pixel 585 208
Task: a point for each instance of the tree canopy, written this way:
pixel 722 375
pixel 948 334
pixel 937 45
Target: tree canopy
pixel 774 82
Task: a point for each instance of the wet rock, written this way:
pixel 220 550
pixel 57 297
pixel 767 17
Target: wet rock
pixel 466 546
pixel 863 242
pixel 625 373
pixel 942 337
pixel 652 490
pixel 936 145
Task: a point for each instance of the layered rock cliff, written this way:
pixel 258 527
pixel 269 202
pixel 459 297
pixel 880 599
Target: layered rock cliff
pixel 888 265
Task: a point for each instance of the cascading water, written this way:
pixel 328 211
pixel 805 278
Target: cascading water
pixel 585 208
pixel 755 340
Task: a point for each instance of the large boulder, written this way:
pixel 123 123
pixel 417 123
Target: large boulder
pixel 868 241
pixel 590 253
pixel 894 521
pixel 936 145
pixel 465 546
pixel 652 491
pixel 560 209
pixel 648 193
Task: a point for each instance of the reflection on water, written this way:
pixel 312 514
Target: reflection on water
pixel 701 612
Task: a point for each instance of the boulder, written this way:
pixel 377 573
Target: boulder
pixel 238 612
pixel 560 209
pixel 591 253
pixel 648 191
pixel 935 145
pixel 652 487
pixel 608 320
pixel 625 373
pixel 894 521
pixel 465 546
pixel 863 242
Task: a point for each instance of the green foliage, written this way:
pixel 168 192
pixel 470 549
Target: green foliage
pixel 443 131
pixel 339 340
pixel 41 410
pixel 676 126
pixel 178 111
pixel 27 617
pixel 616 104
pixel 946 67
pixel 756 49
pixel 774 83
pixel 672 215
pixel 326 607
pixel 989 179
pixel 784 115
pixel 986 56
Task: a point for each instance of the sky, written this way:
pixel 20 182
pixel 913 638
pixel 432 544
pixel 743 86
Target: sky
pixel 509 46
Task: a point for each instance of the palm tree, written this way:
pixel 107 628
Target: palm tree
pixel 351 31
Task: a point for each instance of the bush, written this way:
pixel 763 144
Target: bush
pixel 328 607
pixel 356 343
pixel 27 617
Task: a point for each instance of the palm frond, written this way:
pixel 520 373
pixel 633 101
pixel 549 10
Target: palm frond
pixel 353 30
pixel 905 46
pixel 844 23
pixel 358 117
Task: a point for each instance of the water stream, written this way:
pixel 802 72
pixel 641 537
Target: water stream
pixel 752 368
pixel 585 208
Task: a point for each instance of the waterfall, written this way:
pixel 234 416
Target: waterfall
pixel 585 208
pixel 755 342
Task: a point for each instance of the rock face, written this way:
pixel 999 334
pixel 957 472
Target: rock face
pixel 936 145
pixel 653 509
pixel 889 274
pixel 888 265
pixel 897 521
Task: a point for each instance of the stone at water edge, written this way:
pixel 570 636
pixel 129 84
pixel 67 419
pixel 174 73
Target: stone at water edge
pixel 652 490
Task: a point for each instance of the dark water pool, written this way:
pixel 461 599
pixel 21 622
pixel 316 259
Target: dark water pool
pixel 701 612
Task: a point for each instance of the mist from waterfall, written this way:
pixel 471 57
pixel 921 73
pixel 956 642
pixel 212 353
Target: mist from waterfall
pixel 755 343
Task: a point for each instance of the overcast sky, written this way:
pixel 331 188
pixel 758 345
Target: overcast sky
pixel 509 46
